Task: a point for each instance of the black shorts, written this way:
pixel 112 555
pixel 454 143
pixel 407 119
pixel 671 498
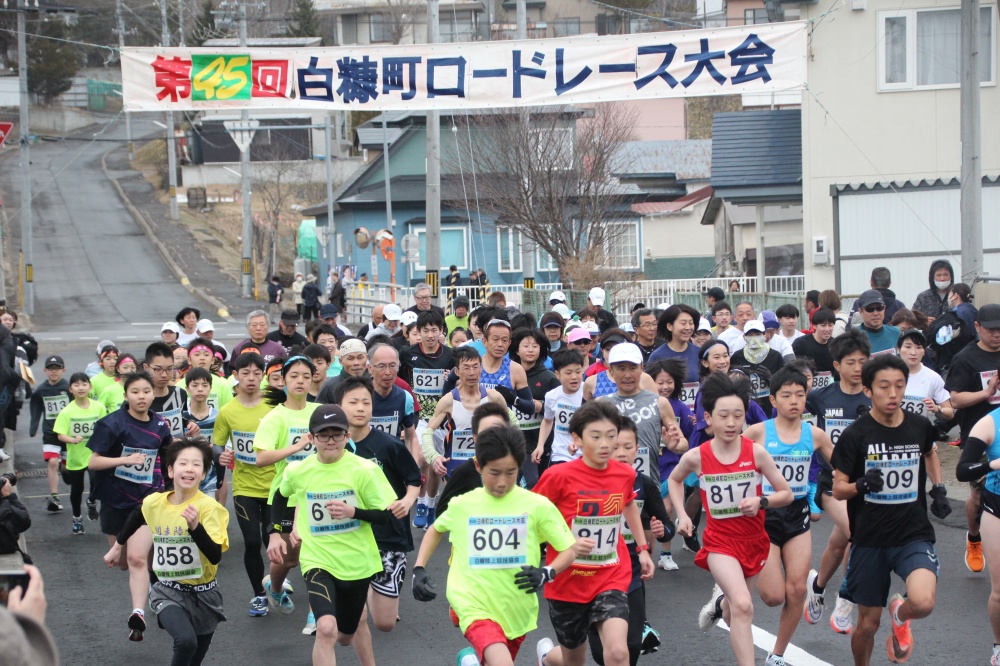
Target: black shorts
pixel 824 484
pixel 990 503
pixel 870 568
pixel 571 620
pixel 343 599
pixel 389 581
pixel 784 524
pixel 112 519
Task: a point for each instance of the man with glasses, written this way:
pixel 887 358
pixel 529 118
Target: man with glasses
pixel 882 337
pixel 392 408
pixel 168 401
pixel 422 296
pixel 644 325
pixel 257 323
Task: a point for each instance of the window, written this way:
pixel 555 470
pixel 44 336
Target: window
pixel 555 146
pixel 755 16
pixel 921 48
pixel 453 244
pixel 457 26
pixel 544 263
pixel 609 24
pixel 566 27
pixel 380 28
pixel 349 28
pixel 623 244
pixel 508 250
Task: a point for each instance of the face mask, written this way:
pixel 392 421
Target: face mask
pixel 756 349
pixel 942 285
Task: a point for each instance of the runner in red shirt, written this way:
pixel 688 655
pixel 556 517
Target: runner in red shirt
pixel 735 546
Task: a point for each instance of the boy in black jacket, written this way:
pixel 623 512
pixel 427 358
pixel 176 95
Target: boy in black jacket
pixel 48 400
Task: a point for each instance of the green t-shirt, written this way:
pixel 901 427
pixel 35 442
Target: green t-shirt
pixel 112 397
pixel 491 538
pixel 284 427
pixel 221 393
pixel 99 382
pixel 239 424
pixel 74 420
pixel 343 547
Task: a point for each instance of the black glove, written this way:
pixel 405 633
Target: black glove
pixel 871 482
pixel 940 507
pixel 532 579
pixel 423 588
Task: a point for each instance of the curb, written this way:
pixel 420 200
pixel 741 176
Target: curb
pixel 146 225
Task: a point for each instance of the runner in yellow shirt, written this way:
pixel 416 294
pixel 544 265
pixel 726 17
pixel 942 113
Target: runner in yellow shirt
pixel 73 427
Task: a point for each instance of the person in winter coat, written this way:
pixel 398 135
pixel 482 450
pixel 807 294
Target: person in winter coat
pixel 960 300
pixel 880 281
pixel 933 302
pixel 297 285
pixel 338 294
pixel 311 294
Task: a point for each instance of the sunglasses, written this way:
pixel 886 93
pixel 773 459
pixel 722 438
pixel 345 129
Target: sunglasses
pixel 874 308
pixel 581 342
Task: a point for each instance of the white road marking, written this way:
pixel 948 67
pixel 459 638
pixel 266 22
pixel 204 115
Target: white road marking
pixel 94 338
pixel 793 655
pixel 133 337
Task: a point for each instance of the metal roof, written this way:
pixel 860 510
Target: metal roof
pixel 687 159
pixel 940 183
pixel 675 206
pixel 757 149
pixel 276 42
pixel 372 136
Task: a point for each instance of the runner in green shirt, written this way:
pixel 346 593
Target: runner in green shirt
pixel 73 427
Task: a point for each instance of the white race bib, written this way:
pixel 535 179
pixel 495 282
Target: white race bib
pixel 822 380
pixel 985 377
pixel 176 557
pixel 294 435
pixel 835 427
pixel 724 492
pixel 604 530
pixel 320 520
pixel 82 428
pixel 53 405
pixel 462 446
pixel 914 404
pixel 174 421
pixel 891 351
pixel 640 464
pixel 498 542
pixel 795 469
pixel 243 447
pixel 759 387
pixel 899 478
pixel 689 394
pixel 212 401
pixel 427 381
pixel 527 421
pixel 564 412
pixel 809 418
pixel 626 532
pixel 140 473
pixel 385 424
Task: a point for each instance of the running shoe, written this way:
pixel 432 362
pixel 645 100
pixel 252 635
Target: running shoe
pixel 258 607
pixel 282 603
pixel 995 660
pixel 92 513
pixel 667 562
pixel 774 660
pixel 467 657
pixel 691 543
pixel 55 505
pixel 842 619
pixel 136 625
pixel 650 639
pixel 310 628
pixel 430 516
pixel 544 646
pixel 899 645
pixel 420 517
pixel 77 526
pixel 813 612
pixel 711 612
pixel 4 456
pixel 974 559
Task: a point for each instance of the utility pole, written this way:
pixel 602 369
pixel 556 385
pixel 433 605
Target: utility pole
pixel 433 196
pixel 327 257
pixel 527 245
pixel 121 44
pixel 171 148
pixel 972 168
pixel 246 281
pixel 28 302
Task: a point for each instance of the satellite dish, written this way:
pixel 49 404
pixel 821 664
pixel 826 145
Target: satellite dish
pixel 362 237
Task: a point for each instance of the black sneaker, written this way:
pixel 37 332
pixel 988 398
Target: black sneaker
pixel 691 543
pixel 136 625
pixel 650 639
pixel 54 505
pixel 92 513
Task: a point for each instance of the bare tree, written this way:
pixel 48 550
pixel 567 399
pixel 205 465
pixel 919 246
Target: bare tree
pixel 398 17
pixel 551 174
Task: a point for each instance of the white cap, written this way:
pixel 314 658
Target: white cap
pixel 204 325
pixel 562 310
pixel 591 327
pixel 557 296
pixel 407 318
pixel 663 306
pixel 106 343
pixel 627 327
pixel 625 352
pixel 704 325
pixel 392 312
pixel 171 326
pixel 753 325
pixel 596 296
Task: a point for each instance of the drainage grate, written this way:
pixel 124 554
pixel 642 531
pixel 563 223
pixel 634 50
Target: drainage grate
pixel 31 473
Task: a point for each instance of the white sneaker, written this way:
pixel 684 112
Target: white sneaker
pixel 711 612
pixel 842 620
pixel 995 660
pixel 813 612
pixel 667 562
pixel 544 646
pixel 774 660
pixel 310 628
pixel 4 456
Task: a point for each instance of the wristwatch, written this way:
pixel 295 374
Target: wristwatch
pixel 763 502
pixel 549 574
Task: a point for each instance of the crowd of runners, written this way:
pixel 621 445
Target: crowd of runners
pixel 563 455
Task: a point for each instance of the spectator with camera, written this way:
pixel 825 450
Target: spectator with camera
pixel 14 518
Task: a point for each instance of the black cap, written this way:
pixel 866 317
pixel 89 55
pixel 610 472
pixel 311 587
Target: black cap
pixel 913 333
pixel 989 316
pixel 328 416
pixel 461 302
pixel 290 317
pixel 54 361
pixel 716 293
pixel 329 310
pixel 870 297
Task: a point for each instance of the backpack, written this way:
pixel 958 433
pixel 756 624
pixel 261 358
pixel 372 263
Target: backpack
pixel 946 337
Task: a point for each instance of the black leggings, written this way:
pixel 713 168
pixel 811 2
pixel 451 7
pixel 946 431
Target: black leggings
pixel 252 514
pixel 76 478
pixel 189 648
pixel 636 625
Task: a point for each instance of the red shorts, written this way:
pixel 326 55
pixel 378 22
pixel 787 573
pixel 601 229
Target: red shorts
pixel 750 553
pixel 484 633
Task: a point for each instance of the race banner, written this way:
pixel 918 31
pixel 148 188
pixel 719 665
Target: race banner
pixel 569 70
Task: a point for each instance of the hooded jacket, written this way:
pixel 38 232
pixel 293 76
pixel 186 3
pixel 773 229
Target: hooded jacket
pixel 929 301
